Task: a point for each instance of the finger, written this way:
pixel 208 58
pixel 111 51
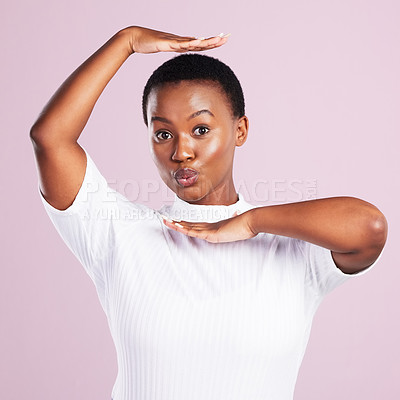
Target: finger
pixel 198 48
pixel 171 224
pixel 203 47
pixel 188 38
pixel 184 45
pixel 189 231
pixel 201 226
pixel 167 220
pixel 199 44
pixel 177 37
pixel 190 44
pixel 211 41
pixel 202 43
pixel 221 36
pixel 205 234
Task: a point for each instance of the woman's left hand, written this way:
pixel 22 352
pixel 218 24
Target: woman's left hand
pixel 232 229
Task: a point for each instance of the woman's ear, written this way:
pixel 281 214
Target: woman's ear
pixel 242 129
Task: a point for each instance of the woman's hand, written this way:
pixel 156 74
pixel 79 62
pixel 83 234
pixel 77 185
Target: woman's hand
pixel 228 230
pixel 145 40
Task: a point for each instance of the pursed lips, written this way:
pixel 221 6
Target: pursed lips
pixel 186 176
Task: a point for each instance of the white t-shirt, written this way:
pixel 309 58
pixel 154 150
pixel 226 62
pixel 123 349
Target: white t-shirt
pixel 190 319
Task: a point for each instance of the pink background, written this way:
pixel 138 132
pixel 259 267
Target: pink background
pixel 321 81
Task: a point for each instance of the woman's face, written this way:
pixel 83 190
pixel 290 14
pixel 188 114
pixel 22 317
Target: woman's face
pixel 193 136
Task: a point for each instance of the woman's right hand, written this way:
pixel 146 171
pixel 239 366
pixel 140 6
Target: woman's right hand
pixel 145 40
pixel 56 132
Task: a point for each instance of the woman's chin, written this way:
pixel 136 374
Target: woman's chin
pixel 190 194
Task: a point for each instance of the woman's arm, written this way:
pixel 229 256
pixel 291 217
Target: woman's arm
pixel 61 161
pixel 354 230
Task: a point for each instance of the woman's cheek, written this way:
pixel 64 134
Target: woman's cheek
pixel 217 147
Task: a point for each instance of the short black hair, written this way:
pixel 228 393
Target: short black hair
pixel 200 67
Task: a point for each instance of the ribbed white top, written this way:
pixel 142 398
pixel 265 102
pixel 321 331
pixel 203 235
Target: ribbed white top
pixel 193 320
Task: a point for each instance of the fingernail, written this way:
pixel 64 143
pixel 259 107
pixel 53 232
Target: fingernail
pixel 200 38
pixel 226 35
pixel 221 34
pixel 166 218
pixel 177 224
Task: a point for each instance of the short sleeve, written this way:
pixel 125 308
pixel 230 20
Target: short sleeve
pixel 322 274
pixel 88 225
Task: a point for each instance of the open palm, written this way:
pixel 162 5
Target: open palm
pixel 145 40
pixel 228 230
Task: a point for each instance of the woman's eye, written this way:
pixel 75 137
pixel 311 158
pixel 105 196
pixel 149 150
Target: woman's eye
pixel 163 135
pixel 201 130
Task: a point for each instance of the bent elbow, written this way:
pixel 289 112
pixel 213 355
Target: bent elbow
pixel 379 230
pixel 36 134
pixel 42 136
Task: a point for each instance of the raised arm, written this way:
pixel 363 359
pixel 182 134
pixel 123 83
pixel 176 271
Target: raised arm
pixel 61 161
pixel 354 230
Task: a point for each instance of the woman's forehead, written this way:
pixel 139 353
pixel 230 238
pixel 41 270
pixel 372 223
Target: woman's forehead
pixel 186 96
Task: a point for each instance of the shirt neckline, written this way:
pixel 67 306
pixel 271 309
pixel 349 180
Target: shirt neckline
pixel 184 211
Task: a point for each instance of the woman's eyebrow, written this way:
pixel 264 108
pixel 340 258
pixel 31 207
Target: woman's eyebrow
pixel 194 115
pixel 197 113
pixel 161 119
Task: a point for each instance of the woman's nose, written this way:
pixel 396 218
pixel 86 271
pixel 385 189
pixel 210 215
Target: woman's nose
pixel 183 149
